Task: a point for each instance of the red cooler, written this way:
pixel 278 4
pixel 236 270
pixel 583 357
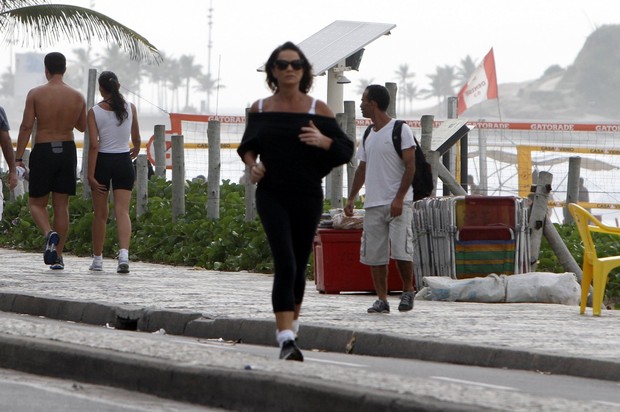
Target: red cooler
pixel 337 266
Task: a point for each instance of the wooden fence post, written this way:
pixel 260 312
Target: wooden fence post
pixel 250 189
pixel 178 177
pixel 90 101
pixel 159 146
pixel 142 185
pixel 572 186
pixel 538 215
pixel 213 178
pixel 392 89
pixel 426 138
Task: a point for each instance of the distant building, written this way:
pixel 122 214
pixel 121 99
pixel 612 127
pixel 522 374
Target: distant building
pixel 29 72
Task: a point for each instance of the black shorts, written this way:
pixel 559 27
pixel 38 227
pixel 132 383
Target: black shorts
pixel 117 168
pixel 53 168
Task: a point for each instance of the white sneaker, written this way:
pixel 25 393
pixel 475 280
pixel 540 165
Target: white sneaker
pixel 97 265
pixel 123 266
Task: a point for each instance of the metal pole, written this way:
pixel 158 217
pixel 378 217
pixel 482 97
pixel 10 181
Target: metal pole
pixel 483 181
pixel 335 198
pixel 351 129
pixel 335 98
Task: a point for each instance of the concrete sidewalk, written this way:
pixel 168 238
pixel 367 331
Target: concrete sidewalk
pixel 236 306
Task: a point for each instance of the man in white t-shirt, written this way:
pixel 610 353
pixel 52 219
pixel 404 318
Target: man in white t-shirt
pixel 388 212
pixel 9 156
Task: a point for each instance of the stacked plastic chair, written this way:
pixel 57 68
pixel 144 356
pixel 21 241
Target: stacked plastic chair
pixel 470 236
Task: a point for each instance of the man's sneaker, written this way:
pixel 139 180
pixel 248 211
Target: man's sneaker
pixel 123 266
pixel 97 265
pixel 58 264
pixel 380 306
pixel 406 302
pixel 290 351
pixel 51 241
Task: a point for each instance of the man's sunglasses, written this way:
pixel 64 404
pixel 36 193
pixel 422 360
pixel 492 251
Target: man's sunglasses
pixel 295 64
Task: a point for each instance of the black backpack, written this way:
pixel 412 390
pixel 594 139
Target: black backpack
pixel 423 178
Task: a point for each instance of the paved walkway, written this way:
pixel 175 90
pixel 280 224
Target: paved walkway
pixel 546 337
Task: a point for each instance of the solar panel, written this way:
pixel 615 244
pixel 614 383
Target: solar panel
pixel 339 40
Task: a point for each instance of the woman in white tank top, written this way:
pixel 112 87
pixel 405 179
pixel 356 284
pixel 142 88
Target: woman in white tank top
pixel 111 124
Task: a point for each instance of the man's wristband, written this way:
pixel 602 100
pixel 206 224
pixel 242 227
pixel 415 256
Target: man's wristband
pixel 19 160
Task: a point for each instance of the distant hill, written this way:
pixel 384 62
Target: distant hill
pixel 585 91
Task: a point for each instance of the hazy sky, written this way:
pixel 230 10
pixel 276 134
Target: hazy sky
pixel 527 35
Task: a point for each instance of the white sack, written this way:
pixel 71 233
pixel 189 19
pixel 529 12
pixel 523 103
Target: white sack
pixel 489 289
pixel 543 287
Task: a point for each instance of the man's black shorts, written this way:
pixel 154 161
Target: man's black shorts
pixel 53 168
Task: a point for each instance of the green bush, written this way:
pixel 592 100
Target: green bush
pixel 228 244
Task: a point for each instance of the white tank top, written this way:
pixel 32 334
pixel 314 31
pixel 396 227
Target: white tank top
pixel 311 111
pixel 112 137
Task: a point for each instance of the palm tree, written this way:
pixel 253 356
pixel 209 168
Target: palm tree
pixel 362 84
pixel 174 81
pixel 127 71
pixel 85 62
pixel 403 78
pixel 208 85
pixel 442 84
pixel 41 23
pixel 411 92
pixel 188 71
pixel 465 70
pixel 156 74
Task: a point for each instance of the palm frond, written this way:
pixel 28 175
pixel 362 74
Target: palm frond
pixel 45 24
pixel 13 4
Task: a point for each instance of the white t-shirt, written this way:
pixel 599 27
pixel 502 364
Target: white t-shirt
pixel 384 168
pixel 112 137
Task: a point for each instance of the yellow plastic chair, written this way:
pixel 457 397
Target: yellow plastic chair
pixel 595 269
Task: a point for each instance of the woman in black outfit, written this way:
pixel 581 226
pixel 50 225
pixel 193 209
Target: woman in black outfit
pixel 299 142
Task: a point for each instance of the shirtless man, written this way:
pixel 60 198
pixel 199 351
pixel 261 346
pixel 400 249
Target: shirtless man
pixel 58 109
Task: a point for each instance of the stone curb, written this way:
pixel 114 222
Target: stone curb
pixel 217 387
pixel 261 332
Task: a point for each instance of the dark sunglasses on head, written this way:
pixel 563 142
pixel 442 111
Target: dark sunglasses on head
pixel 295 64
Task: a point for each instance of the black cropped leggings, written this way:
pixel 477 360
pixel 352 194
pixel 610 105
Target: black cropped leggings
pixel 290 224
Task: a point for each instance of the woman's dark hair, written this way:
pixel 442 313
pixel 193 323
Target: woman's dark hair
pixel 380 95
pixel 306 80
pixel 109 82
